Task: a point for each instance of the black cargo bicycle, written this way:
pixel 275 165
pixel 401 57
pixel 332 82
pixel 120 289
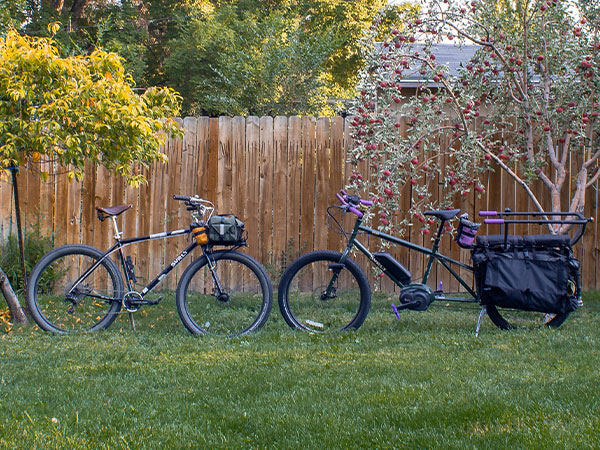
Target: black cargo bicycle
pixel 224 292
pixel 515 276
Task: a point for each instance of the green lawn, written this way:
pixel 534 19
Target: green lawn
pixel 423 381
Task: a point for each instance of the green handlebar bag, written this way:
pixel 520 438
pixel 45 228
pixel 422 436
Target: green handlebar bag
pixel 226 229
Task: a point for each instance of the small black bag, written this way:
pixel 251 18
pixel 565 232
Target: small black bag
pixel 226 230
pixel 533 273
pixel 465 234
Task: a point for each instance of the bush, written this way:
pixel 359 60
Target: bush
pixel 36 245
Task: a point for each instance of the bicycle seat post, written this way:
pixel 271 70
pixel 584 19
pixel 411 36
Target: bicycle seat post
pixel 434 249
pixel 118 233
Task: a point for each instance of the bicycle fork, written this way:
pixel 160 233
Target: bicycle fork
pixel 337 268
pixel 218 290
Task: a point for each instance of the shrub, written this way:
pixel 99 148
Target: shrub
pixel 35 246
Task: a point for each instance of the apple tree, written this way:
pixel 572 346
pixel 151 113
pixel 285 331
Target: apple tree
pixel 77 109
pixel 527 102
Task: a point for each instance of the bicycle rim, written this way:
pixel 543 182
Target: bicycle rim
pixel 311 306
pixel 90 305
pixel 236 303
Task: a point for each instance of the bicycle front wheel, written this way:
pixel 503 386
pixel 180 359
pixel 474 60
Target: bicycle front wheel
pixel 509 319
pixel 225 294
pixel 318 294
pixel 64 298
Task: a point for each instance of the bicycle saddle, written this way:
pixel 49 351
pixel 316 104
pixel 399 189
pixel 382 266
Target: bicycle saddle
pixel 444 214
pixel 104 212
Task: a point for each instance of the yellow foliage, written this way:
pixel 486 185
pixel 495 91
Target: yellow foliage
pixel 50 96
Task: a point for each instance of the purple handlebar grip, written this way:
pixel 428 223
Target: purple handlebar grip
pixel 493 221
pixel 355 211
pixel 488 213
pixel 367 202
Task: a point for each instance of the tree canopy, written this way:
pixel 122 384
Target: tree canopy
pixel 224 56
pixel 528 102
pixel 76 109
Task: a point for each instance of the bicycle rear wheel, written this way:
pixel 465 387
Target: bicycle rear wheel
pixel 61 301
pixel 233 298
pixel 509 319
pixel 305 302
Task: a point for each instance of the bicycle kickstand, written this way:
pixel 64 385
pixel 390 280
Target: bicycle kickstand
pixel 131 321
pixel 481 314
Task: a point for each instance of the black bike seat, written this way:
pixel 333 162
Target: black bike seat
pixel 444 214
pixel 113 210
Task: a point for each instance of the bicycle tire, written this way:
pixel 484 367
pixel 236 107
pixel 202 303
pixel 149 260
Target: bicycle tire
pixel 300 294
pixel 510 319
pixel 56 272
pixel 244 305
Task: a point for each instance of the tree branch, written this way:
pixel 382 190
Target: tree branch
pixel 514 176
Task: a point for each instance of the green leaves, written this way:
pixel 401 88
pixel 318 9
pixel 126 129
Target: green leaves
pixel 78 108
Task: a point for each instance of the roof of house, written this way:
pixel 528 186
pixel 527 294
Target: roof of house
pixel 446 54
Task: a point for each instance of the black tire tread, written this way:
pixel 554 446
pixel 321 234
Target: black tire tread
pixel 78 249
pixel 198 264
pixel 323 255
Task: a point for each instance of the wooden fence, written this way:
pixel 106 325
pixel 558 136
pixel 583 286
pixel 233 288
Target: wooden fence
pixel 278 174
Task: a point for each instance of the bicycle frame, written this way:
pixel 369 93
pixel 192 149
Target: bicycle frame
pixel 122 243
pixel 433 254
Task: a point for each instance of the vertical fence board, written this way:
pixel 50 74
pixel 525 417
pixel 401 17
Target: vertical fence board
pixel 265 198
pixel 89 217
pixel 143 227
pixel 252 181
pixel 322 194
pixel 6 204
pixel 238 189
pixel 307 188
pixel 157 220
pixel 336 176
pixel 213 159
pixel 280 190
pixel 293 175
pixel 224 161
pixel 202 145
pixel 103 229
pixel 173 207
pixel 32 214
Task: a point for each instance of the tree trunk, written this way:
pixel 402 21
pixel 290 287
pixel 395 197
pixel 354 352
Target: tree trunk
pixel 17 313
pixel 77 10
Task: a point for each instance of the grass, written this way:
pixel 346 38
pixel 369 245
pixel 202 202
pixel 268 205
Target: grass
pixel 423 381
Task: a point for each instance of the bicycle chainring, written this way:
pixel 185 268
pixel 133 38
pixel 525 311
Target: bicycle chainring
pixel 132 301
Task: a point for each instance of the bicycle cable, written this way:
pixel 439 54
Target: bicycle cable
pixel 334 223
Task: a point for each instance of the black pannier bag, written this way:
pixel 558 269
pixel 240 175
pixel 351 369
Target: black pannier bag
pixel 532 273
pixel 226 229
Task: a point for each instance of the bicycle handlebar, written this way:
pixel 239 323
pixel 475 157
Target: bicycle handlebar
pixel 199 205
pixel 353 202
